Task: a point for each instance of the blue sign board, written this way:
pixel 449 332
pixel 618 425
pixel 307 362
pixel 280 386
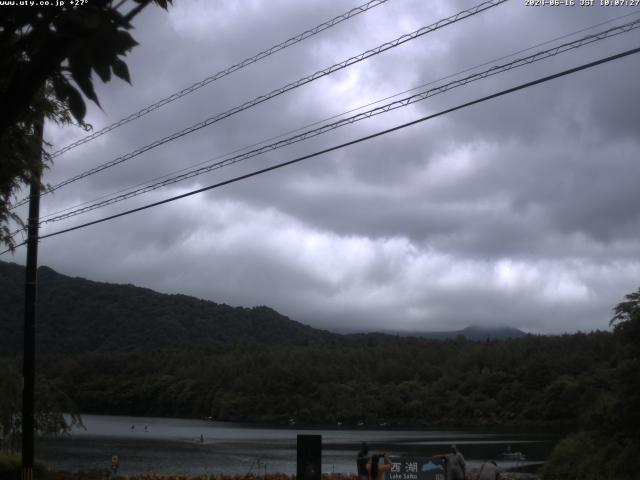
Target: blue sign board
pixel 417 468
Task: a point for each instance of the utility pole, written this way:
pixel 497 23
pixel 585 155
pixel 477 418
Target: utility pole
pixel 29 350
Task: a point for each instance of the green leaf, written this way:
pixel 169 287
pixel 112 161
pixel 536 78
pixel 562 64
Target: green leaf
pixel 68 94
pixel 121 70
pixel 81 73
pixel 85 84
pixel 103 70
pixel 123 42
pixel 76 104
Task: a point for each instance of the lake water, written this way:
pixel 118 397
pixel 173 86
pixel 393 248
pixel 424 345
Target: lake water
pixel 179 446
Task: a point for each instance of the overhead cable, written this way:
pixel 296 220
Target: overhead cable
pixel 520 62
pixel 310 78
pixel 346 144
pixel 223 73
pixel 338 115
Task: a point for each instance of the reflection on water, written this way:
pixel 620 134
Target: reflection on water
pixel 176 446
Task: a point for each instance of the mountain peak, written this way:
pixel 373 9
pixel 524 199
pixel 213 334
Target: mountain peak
pixel 479 332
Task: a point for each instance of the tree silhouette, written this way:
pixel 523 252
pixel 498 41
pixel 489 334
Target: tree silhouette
pixel 47 58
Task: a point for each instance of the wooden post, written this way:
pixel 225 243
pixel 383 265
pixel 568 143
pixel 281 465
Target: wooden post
pixel 31 283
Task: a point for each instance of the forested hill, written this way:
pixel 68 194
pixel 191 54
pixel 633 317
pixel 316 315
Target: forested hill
pixel 77 315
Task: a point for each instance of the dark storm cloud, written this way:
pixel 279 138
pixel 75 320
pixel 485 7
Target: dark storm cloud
pixel 519 211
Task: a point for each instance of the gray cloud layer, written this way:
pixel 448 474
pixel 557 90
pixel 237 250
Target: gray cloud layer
pixel 520 211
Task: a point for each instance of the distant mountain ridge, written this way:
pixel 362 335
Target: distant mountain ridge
pixel 78 315
pixel 474 332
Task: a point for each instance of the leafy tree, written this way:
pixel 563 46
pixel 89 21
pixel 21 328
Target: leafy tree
pixel 607 446
pixel 47 58
pixel 626 323
pixel 50 408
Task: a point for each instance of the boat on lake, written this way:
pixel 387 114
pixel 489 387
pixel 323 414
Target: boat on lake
pixel 513 456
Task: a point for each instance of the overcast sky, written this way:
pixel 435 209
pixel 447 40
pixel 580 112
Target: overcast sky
pixel 520 211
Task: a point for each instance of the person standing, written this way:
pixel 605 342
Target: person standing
pixel 488 471
pixel 115 464
pixel 375 470
pixel 457 466
pixel 362 460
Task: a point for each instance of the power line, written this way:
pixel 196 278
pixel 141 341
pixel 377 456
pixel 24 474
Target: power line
pixel 404 102
pixel 319 74
pixel 167 180
pixel 352 142
pixel 223 73
pixel 317 122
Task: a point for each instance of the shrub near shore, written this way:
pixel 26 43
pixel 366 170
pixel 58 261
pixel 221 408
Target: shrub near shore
pixel 10 466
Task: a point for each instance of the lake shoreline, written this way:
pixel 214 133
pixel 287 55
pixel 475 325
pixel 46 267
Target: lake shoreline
pixel 560 428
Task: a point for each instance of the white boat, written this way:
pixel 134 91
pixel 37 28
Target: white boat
pixel 513 456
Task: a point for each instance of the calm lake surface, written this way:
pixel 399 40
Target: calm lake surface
pixel 178 446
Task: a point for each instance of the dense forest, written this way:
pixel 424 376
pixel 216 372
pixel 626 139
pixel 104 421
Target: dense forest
pixel 400 381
